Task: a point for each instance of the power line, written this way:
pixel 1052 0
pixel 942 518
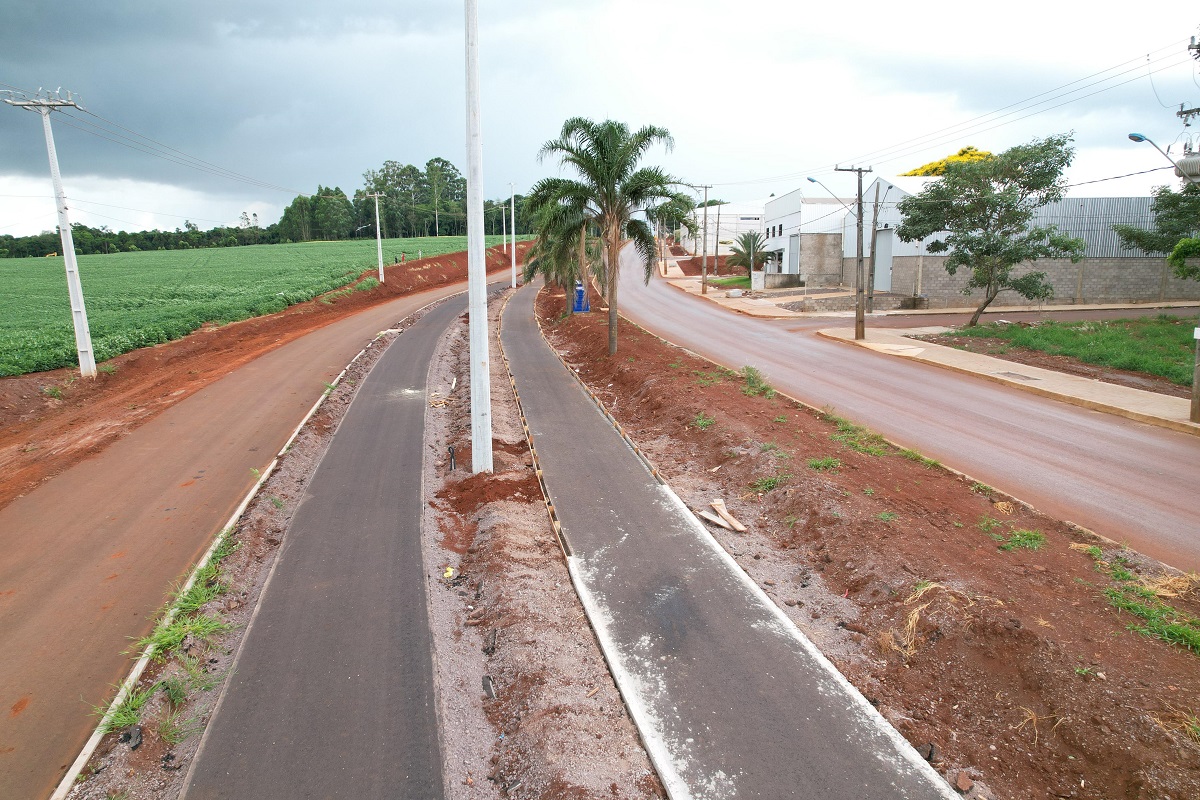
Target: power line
pixel 974 125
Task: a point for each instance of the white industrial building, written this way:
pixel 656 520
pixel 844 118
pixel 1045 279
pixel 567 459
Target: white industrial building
pixel 815 238
pixel 725 223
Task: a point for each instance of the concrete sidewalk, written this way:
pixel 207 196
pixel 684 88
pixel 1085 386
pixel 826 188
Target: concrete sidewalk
pixel 730 697
pixel 1136 404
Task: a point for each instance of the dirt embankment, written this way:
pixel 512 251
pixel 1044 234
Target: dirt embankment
pixel 46 434
pixel 716 266
pixel 984 631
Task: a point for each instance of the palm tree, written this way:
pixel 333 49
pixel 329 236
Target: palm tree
pixel 563 253
pixel 611 187
pixel 748 252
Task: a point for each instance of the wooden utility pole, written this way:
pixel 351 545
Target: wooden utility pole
pixel 860 325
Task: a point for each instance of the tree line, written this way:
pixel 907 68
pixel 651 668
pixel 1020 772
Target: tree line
pixel 413 202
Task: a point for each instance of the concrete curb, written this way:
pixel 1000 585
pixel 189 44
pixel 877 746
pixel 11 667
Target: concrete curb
pixel 135 674
pixel 1082 402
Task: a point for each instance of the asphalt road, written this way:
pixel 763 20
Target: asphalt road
pixel 1131 482
pixel 730 698
pixel 332 692
pixel 87 558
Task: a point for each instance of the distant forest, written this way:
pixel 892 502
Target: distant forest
pixel 413 202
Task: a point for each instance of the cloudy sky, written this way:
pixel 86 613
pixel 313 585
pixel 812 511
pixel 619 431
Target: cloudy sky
pixel 757 93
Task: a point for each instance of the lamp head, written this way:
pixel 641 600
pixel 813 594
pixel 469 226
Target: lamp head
pixel 812 180
pixel 1137 137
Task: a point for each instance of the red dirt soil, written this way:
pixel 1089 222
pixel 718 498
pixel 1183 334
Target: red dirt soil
pixel 45 436
pixel 716 266
pixel 1009 668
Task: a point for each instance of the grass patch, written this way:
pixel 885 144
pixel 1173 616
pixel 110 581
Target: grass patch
pixel 913 455
pixel 886 516
pixel 1021 539
pixel 988 524
pixel 129 712
pixel 1158 619
pixel 764 485
pixel 827 464
pixel 703 421
pixel 1161 345
pixel 167 638
pixel 857 437
pixel 1143 598
pixel 756 383
pixel 732 282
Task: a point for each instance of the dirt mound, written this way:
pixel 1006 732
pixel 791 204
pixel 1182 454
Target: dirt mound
pixel 716 266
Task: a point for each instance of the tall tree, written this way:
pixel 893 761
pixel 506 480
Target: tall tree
pixel 1176 220
pixel 610 188
pixel 563 252
pixel 936 168
pixel 984 208
pixel 447 189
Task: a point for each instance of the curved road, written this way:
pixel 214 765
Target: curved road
pixel 1131 482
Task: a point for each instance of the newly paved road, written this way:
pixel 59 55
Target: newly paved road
pixel 730 698
pixel 1129 481
pixel 332 692
pixel 86 558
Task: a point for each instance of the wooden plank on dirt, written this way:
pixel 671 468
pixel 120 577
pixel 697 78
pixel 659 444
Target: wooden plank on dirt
pixel 714 519
pixel 719 507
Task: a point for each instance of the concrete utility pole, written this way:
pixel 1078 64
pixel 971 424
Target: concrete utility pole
pixel 378 236
pixel 512 204
pixel 704 263
pixel 83 335
pixel 860 325
pixel 481 396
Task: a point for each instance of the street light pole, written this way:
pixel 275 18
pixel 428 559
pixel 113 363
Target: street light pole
pixel 83 334
pixel 378 237
pixel 481 396
pixel 1194 415
pixel 512 205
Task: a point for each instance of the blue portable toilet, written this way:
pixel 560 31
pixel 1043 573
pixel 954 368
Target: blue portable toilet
pixel 581 299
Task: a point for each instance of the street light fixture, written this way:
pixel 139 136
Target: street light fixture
pixel 1194 416
pixel 1140 137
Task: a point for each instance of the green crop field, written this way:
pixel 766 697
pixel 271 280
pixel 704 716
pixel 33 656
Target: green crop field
pixel 144 298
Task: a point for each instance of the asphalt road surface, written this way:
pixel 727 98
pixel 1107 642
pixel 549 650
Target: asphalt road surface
pixel 332 692
pixel 87 558
pixel 1131 482
pixel 731 700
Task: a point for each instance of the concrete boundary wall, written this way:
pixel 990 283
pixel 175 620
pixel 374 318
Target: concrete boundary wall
pixel 1092 280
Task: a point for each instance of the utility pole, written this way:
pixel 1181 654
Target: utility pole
pixel 378 236
pixel 83 335
pixel 481 396
pixel 860 325
pixel 874 239
pixel 717 245
pixel 704 263
pixel 512 208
